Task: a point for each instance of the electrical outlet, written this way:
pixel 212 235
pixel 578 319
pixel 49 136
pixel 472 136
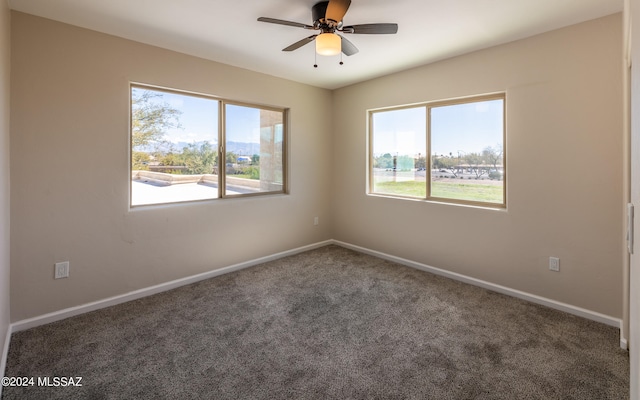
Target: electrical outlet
pixel 554 264
pixel 61 270
pixel 315 221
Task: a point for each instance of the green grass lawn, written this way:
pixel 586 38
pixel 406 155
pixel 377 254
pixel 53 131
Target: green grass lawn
pixel 449 190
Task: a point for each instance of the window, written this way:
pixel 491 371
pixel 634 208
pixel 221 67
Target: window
pixel 180 150
pixel 451 151
pixel 261 164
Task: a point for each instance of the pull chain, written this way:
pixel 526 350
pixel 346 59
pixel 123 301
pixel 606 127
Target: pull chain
pixel 315 65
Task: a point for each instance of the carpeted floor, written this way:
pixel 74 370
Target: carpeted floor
pixel 326 324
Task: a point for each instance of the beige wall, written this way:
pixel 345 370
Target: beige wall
pixel 69 189
pixel 564 143
pixel 5 54
pixel 69 171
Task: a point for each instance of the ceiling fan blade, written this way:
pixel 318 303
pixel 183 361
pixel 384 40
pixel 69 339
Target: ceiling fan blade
pixel 283 22
pixel 300 43
pixel 371 28
pixel 337 9
pixel 348 48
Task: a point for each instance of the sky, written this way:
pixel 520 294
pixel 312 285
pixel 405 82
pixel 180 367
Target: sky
pixel 199 119
pixel 455 129
pixel 462 128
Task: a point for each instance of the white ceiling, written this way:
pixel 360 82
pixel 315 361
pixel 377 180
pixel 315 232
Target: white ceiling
pixel 228 31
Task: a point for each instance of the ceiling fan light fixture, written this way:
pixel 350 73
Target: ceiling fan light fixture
pixel 328 44
pixel 328 19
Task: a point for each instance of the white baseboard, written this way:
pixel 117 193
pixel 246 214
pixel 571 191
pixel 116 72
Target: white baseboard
pixel 111 301
pixel 163 287
pixel 581 312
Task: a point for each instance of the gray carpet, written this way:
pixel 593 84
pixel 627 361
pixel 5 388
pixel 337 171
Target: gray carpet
pixel 326 324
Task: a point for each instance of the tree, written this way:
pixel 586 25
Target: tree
pixel 231 157
pixel 200 159
pixel 493 155
pixel 475 161
pixel 150 118
pixel 140 160
pixel 385 161
pixel 170 159
pixel 447 163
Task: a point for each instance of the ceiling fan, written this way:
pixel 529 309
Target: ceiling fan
pixel 327 18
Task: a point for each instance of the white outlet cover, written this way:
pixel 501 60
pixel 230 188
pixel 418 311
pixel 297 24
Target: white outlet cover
pixel 554 264
pixel 62 270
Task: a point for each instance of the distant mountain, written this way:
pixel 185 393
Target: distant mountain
pixel 243 149
pixel 239 148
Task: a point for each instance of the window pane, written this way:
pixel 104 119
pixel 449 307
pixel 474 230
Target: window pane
pixel 254 150
pixel 174 142
pixel 467 151
pixel 399 152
